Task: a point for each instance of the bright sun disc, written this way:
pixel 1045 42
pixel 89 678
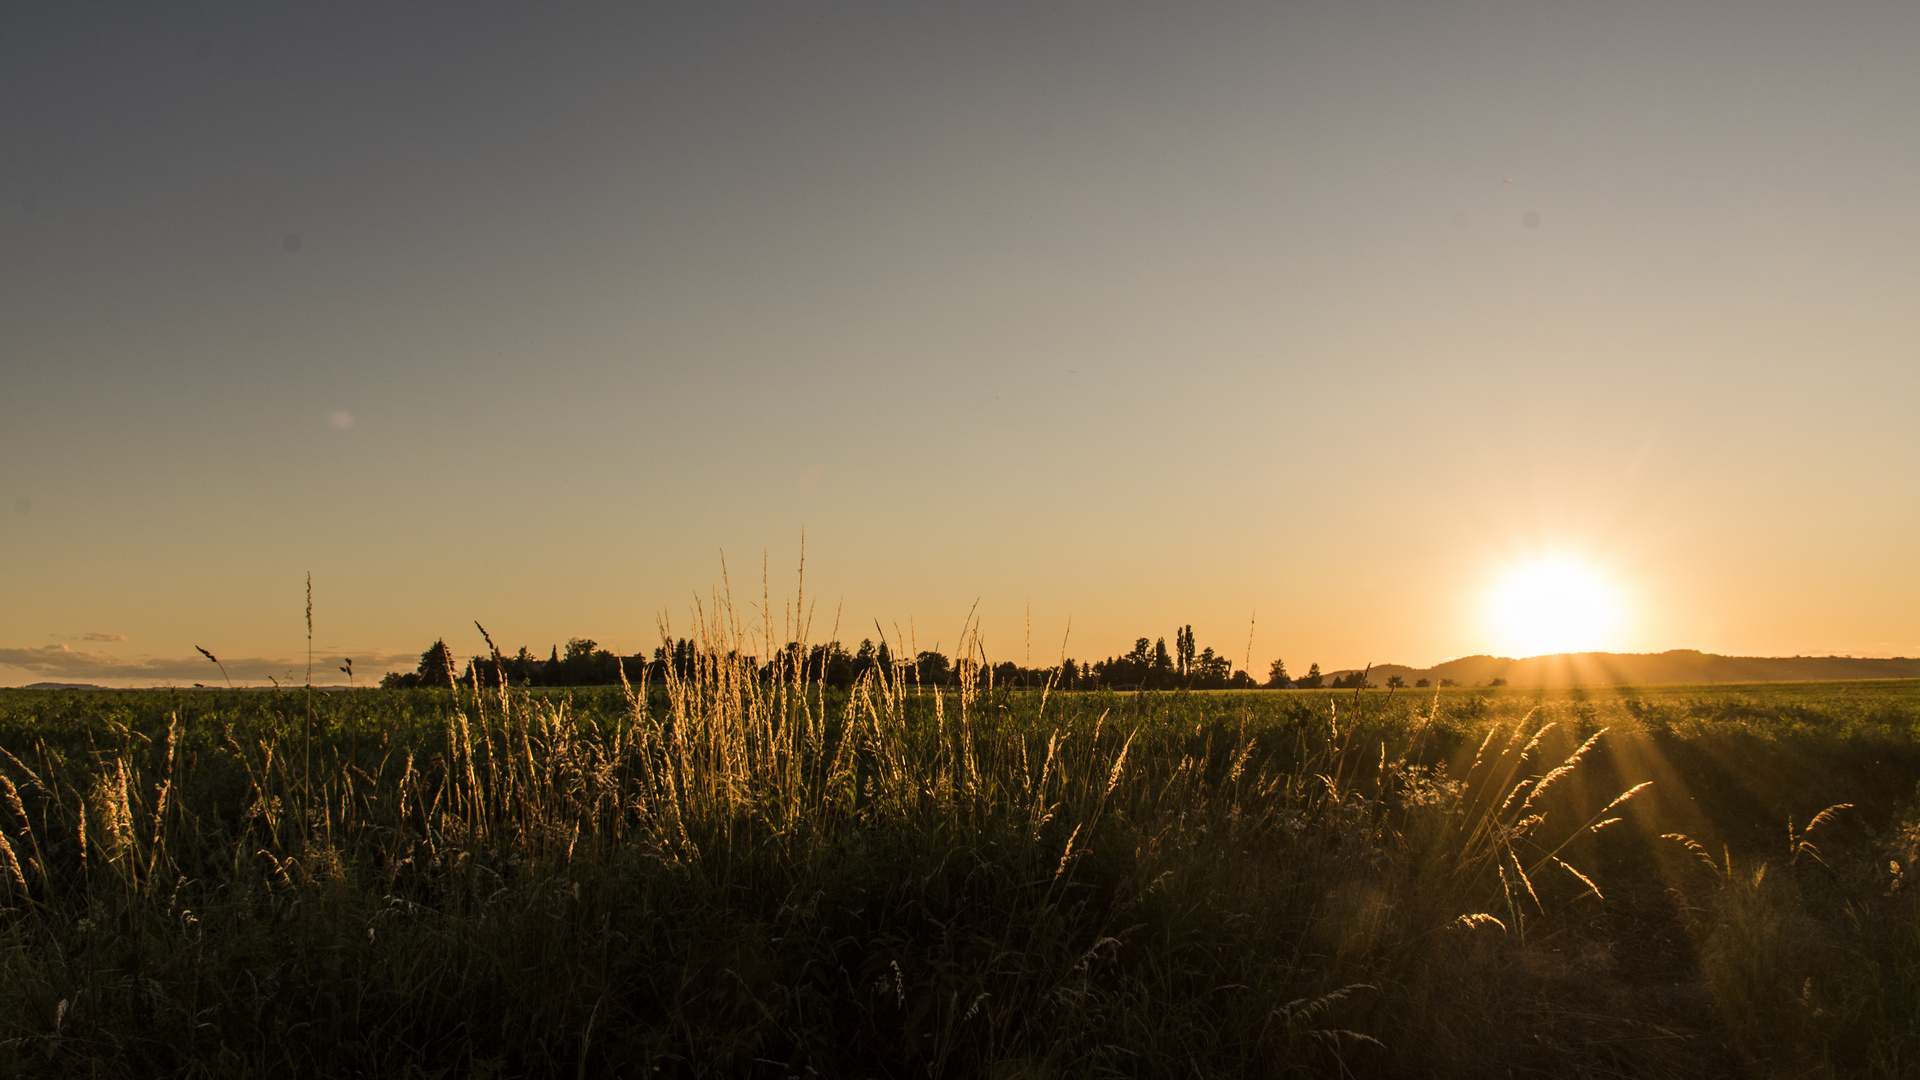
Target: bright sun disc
pixel 1554 606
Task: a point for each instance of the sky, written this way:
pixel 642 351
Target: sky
pixel 1302 324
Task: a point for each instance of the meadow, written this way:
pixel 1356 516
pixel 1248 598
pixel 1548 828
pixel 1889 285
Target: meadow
pixel 725 875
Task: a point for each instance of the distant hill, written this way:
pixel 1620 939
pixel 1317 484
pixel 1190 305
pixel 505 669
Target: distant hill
pixel 1647 669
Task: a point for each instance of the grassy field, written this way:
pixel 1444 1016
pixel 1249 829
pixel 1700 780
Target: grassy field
pixel 722 877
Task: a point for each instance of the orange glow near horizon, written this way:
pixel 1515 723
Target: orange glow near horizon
pixel 1555 604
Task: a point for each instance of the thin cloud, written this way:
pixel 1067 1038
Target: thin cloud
pixel 59 661
pixel 101 635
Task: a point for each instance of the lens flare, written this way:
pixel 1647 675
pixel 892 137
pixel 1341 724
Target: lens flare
pixel 1554 605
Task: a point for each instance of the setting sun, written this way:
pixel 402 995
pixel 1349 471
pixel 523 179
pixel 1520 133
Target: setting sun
pixel 1554 605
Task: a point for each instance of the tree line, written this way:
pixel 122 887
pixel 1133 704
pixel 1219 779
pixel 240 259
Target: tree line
pixel 1149 665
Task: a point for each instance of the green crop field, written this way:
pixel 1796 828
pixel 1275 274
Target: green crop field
pixel 727 876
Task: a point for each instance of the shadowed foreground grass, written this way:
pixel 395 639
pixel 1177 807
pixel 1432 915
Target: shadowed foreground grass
pixel 720 877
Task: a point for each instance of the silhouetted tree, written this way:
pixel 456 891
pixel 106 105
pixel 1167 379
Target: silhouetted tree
pixel 436 665
pixel 830 663
pixel 1277 675
pixel 1149 666
pixel 1312 679
pixel 435 670
pixel 934 668
pixel 1209 671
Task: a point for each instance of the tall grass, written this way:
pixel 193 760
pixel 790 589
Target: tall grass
pixel 735 875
